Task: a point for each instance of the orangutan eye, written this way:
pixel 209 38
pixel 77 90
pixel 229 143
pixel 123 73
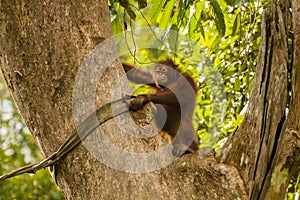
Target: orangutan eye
pixel 160 74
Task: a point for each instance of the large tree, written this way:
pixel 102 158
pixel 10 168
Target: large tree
pixel 43 45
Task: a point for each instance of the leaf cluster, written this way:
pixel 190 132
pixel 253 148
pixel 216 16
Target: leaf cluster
pixel 216 41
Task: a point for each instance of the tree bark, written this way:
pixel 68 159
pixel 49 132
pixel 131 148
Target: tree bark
pixel 265 149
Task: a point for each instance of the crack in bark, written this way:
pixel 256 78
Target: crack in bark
pixel 268 52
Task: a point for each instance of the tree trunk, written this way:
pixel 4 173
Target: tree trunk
pixel 265 149
pixel 43 47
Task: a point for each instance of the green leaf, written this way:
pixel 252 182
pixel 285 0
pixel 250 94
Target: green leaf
pixel 124 3
pixel 185 18
pixel 142 4
pixel 200 28
pixel 218 17
pixel 236 23
pixel 155 9
pixel 230 2
pixel 111 2
pixel 198 16
pixel 130 13
pixel 237 85
pixel 180 11
pixel 173 38
pixel 127 6
pixel 117 25
pixel 192 27
pixel 175 18
pixel 167 14
pixel 196 27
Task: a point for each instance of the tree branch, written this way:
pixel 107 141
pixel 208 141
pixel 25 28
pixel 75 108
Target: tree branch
pixel 86 127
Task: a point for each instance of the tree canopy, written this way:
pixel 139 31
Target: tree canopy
pixel 217 38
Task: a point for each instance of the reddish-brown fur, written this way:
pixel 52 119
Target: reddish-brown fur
pixel 176 98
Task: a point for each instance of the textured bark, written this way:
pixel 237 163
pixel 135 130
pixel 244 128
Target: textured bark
pixel 265 149
pixel 42 46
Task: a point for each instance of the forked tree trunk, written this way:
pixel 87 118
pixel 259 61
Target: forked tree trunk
pixel 43 45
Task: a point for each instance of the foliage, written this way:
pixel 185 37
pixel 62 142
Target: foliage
pixel 217 41
pixel 18 149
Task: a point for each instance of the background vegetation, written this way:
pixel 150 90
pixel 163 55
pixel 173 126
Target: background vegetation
pixel 215 41
pixel 18 149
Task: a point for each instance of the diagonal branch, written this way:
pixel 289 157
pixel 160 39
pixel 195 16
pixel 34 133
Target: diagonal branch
pixel 86 127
